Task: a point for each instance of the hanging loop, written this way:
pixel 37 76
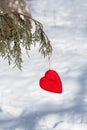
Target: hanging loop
pixel 49 61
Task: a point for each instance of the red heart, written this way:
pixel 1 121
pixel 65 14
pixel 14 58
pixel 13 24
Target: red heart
pixel 51 82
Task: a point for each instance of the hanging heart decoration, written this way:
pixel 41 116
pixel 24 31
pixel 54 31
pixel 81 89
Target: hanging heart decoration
pixel 51 82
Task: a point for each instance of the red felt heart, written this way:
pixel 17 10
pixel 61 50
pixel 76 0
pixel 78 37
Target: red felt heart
pixel 51 82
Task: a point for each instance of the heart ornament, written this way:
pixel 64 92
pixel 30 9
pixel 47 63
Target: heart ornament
pixel 51 82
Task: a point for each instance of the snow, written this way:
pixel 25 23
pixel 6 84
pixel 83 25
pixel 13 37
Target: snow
pixel 23 104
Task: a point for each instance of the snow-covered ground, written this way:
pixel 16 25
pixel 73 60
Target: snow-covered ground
pixel 23 104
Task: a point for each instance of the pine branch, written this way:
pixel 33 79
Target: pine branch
pixel 17 31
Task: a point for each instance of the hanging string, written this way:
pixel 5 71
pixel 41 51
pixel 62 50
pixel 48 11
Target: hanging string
pixel 49 61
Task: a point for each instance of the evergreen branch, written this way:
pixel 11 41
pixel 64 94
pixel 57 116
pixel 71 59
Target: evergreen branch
pixel 16 32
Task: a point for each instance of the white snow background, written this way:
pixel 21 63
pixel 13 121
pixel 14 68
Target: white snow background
pixel 23 104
